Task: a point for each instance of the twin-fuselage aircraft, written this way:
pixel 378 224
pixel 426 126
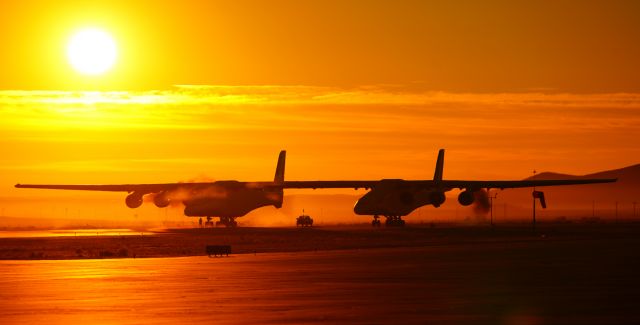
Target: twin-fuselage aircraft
pixel 391 198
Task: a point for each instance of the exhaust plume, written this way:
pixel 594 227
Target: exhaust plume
pixel 481 203
pixel 180 194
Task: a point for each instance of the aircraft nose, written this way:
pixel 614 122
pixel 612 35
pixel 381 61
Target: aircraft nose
pixel 362 206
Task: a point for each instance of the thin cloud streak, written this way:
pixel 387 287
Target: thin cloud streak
pixel 383 123
pixel 301 107
pixel 310 95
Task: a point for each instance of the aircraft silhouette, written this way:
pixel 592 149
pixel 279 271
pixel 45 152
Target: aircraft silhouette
pixel 391 198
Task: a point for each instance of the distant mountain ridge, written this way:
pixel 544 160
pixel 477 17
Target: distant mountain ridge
pixel 594 199
pixel 627 175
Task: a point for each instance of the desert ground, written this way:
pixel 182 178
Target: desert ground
pixel 114 243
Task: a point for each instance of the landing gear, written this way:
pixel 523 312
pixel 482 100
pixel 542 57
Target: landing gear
pixel 227 222
pixel 394 221
pixel 376 221
pixel 209 223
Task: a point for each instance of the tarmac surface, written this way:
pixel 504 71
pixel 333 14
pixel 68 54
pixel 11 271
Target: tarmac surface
pixel 548 277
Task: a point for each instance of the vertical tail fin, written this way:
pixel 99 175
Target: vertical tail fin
pixel 437 176
pixel 278 192
pixel 279 177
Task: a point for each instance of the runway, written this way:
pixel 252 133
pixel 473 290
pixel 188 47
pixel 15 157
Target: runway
pixel 534 281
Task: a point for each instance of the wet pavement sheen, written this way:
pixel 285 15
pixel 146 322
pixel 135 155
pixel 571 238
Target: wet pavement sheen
pixel 498 283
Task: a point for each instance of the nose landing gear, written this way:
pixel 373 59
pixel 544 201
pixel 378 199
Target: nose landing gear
pixel 376 221
pixel 208 223
pixel 228 222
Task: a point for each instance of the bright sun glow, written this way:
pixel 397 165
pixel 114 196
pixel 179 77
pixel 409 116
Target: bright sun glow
pixel 92 51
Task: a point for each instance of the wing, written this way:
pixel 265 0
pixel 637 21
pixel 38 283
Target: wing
pixel 330 184
pixel 444 184
pixel 355 184
pixel 525 183
pixel 142 188
pixel 150 188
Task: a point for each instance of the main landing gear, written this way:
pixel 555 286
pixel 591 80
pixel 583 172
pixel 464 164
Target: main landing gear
pixel 227 222
pixel 224 221
pixel 392 221
pixel 209 223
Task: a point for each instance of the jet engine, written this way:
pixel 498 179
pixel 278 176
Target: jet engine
pixel 134 200
pixel 437 198
pixel 466 198
pixel 161 200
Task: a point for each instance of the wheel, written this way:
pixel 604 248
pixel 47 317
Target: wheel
pixel 394 222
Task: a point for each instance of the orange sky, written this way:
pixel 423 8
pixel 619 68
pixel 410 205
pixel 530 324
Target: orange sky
pixel 352 89
pixel 462 46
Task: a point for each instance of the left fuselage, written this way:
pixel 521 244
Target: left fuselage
pixel 230 199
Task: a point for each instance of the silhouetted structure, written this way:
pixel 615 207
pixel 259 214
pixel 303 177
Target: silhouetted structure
pixel 540 196
pixel 304 221
pixel 491 198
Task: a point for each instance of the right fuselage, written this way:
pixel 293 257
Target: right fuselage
pixel 394 197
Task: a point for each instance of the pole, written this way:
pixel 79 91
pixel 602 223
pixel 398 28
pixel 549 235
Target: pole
pixel 534 202
pixel 534 212
pixel 491 209
pixel 491 197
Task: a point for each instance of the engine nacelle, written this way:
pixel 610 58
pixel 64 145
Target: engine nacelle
pixel 161 200
pixel 466 198
pixel 134 200
pixel 437 198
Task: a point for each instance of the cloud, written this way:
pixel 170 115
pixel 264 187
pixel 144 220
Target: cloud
pixel 388 122
pixel 373 110
pixel 310 95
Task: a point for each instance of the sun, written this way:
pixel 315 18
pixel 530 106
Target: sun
pixel 92 51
